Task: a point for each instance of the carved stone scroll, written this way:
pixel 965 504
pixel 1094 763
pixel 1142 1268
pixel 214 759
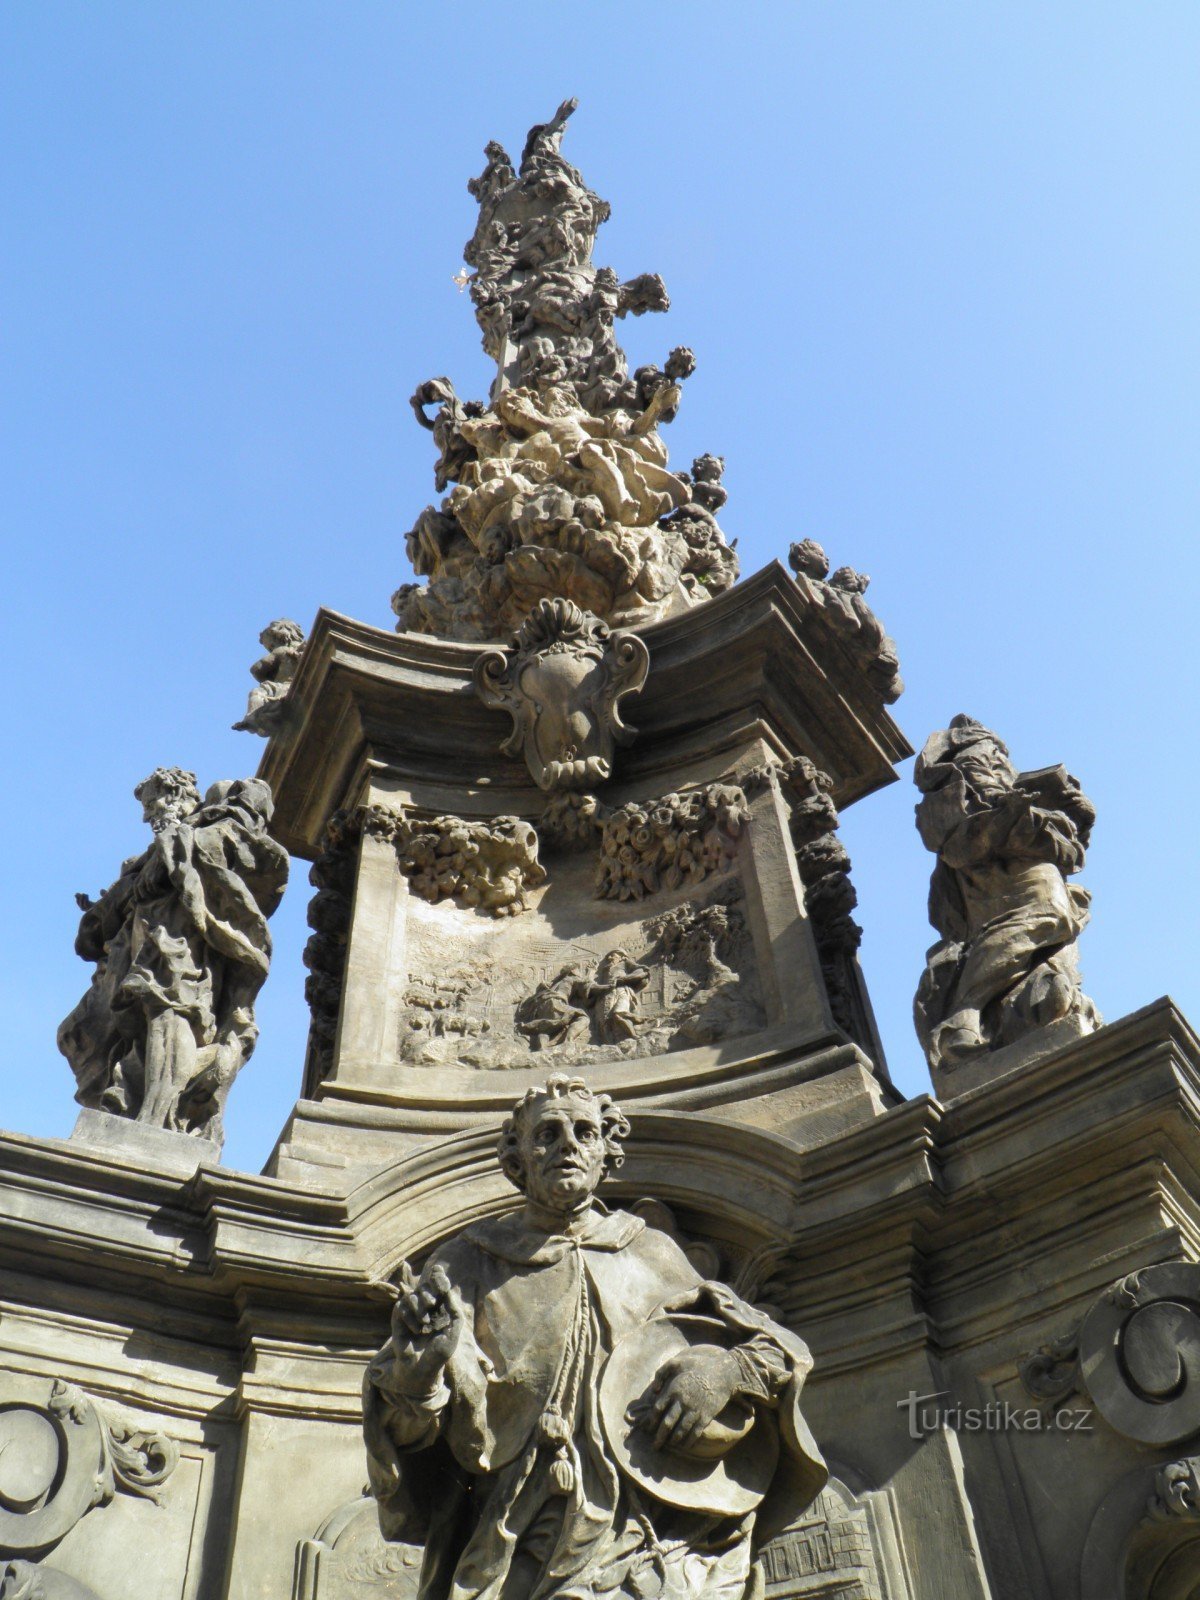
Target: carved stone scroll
pixel 562 682
pixel 60 1460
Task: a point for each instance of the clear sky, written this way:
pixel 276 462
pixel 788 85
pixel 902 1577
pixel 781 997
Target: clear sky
pixel 940 265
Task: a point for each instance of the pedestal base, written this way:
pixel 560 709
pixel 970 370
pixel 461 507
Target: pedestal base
pixel 142 1145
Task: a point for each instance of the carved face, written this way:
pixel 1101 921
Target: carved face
pixel 562 1150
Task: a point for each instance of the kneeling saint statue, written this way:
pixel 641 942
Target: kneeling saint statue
pixel 566 1410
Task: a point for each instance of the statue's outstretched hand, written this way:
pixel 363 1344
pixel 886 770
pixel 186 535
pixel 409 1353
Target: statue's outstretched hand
pixel 426 1321
pixel 688 1391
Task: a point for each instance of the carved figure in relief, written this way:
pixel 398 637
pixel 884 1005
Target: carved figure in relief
pixel 614 997
pixel 839 603
pixel 1006 843
pixel 551 1016
pixel 182 948
pixel 284 644
pixel 566 1409
pixel 561 682
pixel 682 838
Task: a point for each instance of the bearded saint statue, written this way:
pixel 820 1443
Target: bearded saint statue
pixel 566 1410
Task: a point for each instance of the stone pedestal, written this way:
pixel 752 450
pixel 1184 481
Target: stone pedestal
pixel 140 1145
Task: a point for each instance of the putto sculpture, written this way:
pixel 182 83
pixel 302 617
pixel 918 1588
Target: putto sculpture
pixel 559 486
pixel 1006 843
pixel 283 640
pixel 181 947
pixel 566 1408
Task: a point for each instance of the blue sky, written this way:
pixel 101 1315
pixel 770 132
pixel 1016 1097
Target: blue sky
pixel 940 268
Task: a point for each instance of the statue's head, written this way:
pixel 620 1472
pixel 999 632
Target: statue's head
pixel 972 752
pixel 560 1142
pixel 283 631
pixel 167 794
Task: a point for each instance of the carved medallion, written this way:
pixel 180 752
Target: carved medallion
pixel 61 1459
pixel 562 681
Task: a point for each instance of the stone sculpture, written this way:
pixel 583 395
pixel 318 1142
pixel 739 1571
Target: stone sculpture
pixel 562 682
pixel 824 866
pixel 283 641
pixel 1006 843
pixel 76 1456
pixel 680 839
pixel 566 1408
pixel 560 483
pixel 838 603
pixel 181 947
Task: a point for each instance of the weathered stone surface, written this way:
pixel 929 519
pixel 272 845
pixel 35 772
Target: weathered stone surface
pixel 181 947
pixel 1006 843
pixel 829 895
pixel 518 1387
pixel 838 603
pixel 682 838
pixel 65 1457
pixel 562 682
pixel 283 641
pixel 607 988
pixel 123 1139
pixel 561 486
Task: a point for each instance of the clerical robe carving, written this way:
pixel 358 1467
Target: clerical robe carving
pixel 181 947
pixel 566 1408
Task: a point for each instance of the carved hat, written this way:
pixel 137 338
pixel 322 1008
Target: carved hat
pixel 728 1469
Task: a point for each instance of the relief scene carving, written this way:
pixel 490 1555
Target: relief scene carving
pixel 604 988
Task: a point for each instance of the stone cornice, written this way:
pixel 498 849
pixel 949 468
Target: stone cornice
pixel 370 704
pixel 925 1218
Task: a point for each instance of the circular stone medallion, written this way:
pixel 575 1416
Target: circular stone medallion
pixel 30 1457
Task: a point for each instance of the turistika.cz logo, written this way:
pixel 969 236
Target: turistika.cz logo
pixel 927 1415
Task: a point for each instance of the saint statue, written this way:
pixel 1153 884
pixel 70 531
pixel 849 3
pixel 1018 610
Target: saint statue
pixel 182 948
pixel 566 1410
pixel 1006 843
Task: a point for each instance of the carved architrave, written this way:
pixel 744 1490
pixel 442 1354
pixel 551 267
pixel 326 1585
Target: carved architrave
pixel 61 1459
pixel 562 681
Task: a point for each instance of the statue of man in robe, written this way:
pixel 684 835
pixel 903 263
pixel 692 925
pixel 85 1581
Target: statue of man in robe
pixel 181 947
pixel 566 1410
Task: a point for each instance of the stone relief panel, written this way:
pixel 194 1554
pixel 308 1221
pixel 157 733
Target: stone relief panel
pixel 579 981
pixel 680 839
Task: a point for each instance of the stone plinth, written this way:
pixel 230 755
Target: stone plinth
pixel 142 1146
